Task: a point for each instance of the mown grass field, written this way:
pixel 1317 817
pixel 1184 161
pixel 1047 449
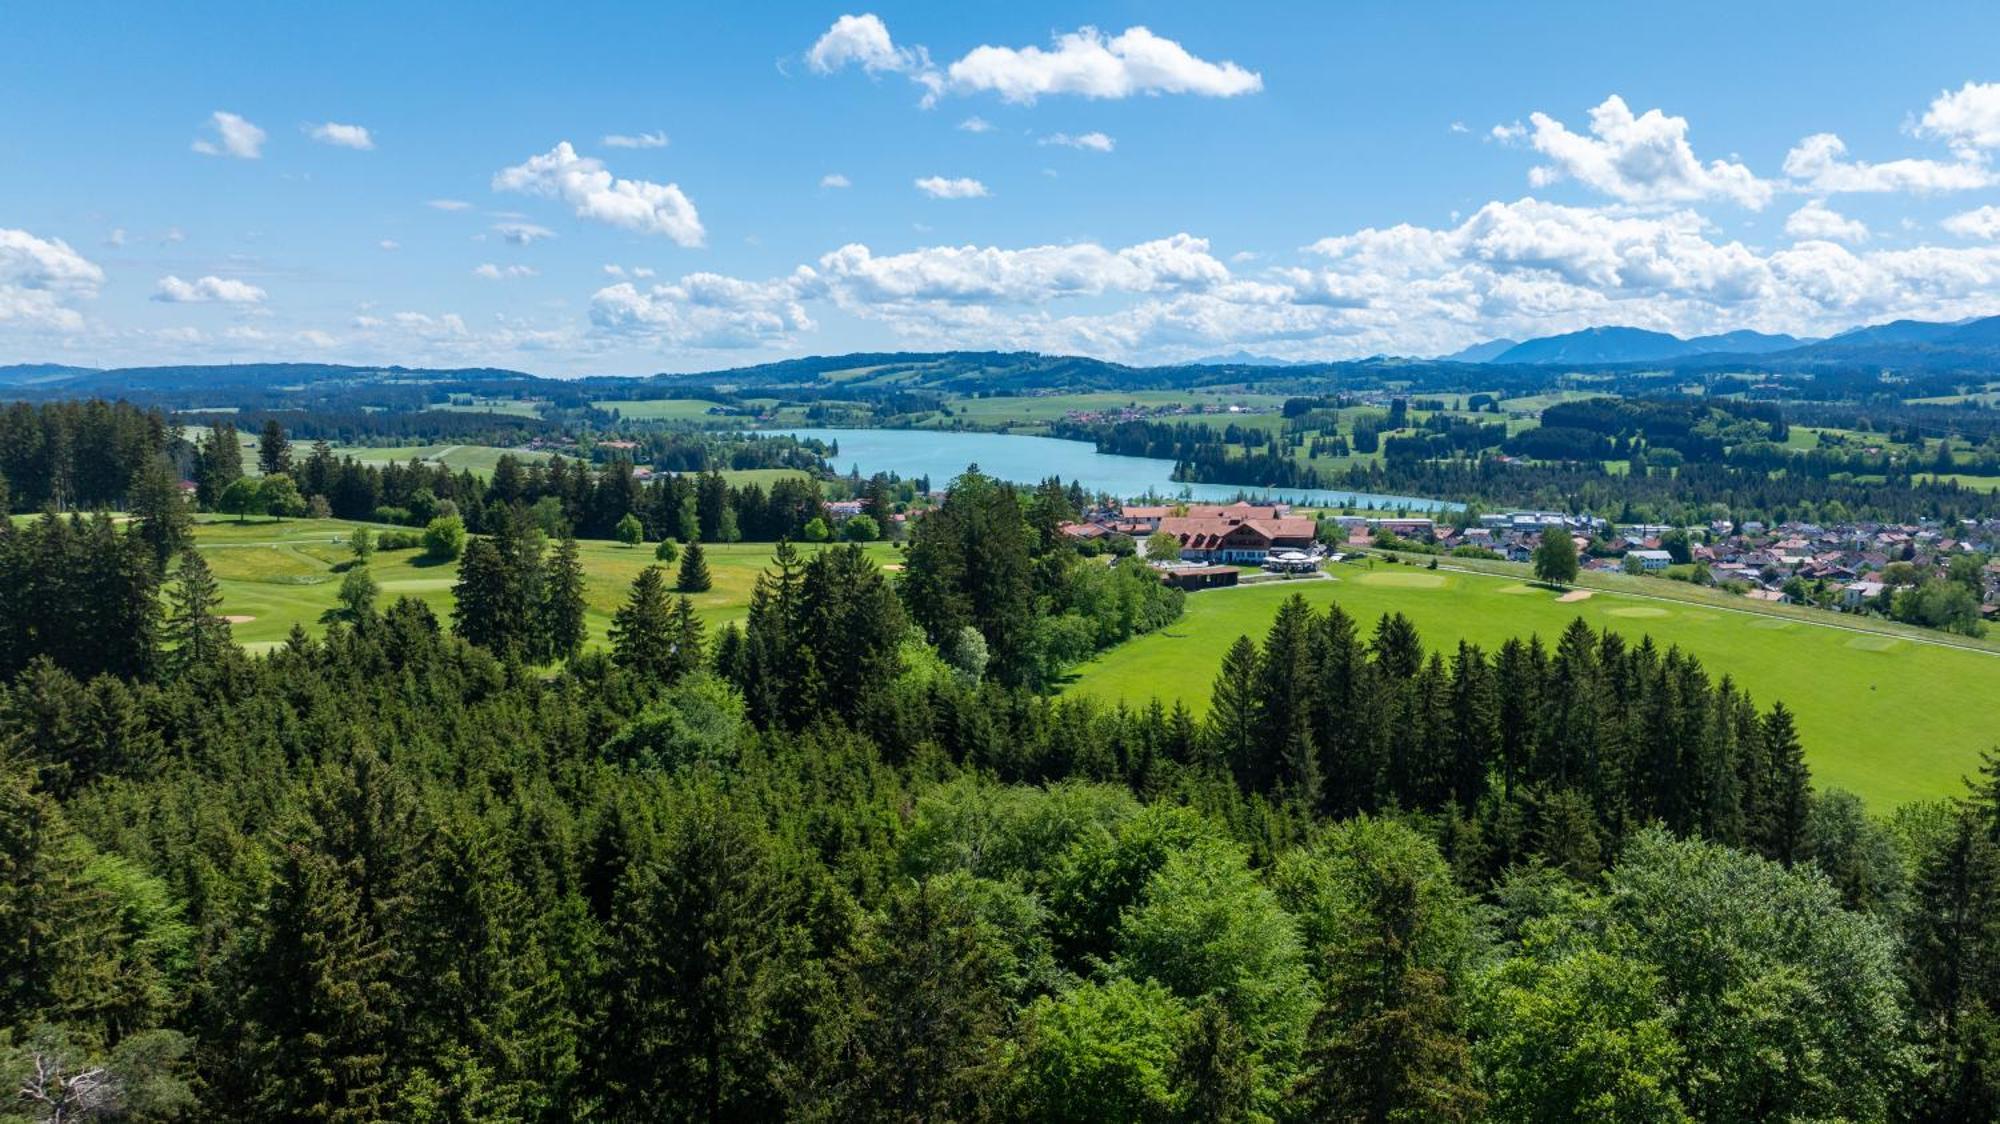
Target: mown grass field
pixel 480 459
pixel 288 572
pixel 656 409
pixel 1888 717
pixel 1043 409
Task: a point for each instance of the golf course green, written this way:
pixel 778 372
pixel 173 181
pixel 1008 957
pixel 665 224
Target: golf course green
pixel 1891 718
pixel 275 574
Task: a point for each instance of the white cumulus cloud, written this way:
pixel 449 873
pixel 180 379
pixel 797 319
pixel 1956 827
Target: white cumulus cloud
pixel 1817 220
pixel 707 310
pixel 39 277
pixel 1820 164
pixel 975 124
pixel 1967 118
pixel 1088 63
pixel 1980 222
pixel 1084 63
pixel 492 272
pixel 834 179
pixel 584 183
pixel 234 136
pixel 1644 159
pixel 342 136
pixel 939 187
pixel 206 290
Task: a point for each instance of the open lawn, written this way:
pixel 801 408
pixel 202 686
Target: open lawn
pixel 287 573
pixel 1888 717
pixel 513 407
pixel 658 409
pixel 480 459
pixel 1038 410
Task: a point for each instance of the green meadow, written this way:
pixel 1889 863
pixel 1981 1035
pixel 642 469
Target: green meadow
pixel 658 409
pixel 278 574
pixel 1889 717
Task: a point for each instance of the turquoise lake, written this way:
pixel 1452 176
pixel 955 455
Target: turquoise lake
pixel 943 454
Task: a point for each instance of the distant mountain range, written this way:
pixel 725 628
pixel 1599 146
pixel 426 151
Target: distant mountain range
pixel 1621 345
pixel 1899 342
pixel 1480 352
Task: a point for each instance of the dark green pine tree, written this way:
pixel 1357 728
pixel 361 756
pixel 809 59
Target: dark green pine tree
pixel 562 625
pixel 1283 752
pixel 1952 962
pixel 767 666
pixel 1234 726
pixel 490 1024
pixel 274 449
pixel 1344 718
pixel 693 576
pixel 316 1001
pixel 689 638
pixel 1399 652
pixel 196 635
pixel 700 942
pixel 1474 732
pixel 928 1034
pixel 160 515
pixel 850 633
pixel 218 463
pixel 58 957
pixel 642 630
pixel 1214 1072
pixel 480 598
pixel 1789 793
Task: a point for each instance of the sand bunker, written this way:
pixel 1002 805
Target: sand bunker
pixel 239 620
pixel 1576 595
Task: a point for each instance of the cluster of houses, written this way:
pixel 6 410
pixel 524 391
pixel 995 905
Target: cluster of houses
pixel 1850 558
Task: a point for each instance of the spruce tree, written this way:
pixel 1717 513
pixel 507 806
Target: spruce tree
pixel 1284 746
pixel 274 450
pixel 562 625
pixel 643 630
pixel 689 638
pixel 161 515
pixel 479 597
pixel 1790 790
pixel 1234 724
pixel 701 945
pixel 316 1002
pixel 693 575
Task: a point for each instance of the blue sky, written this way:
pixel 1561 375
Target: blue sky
pixel 631 188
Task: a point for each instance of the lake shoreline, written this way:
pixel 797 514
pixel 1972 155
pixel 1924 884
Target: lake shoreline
pixel 1023 459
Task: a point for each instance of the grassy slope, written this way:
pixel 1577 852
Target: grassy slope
pixel 1889 718
pixel 658 408
pixel 284 574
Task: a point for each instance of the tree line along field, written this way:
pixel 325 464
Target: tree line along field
pixel 1892 719
pixel 284 573
pixel 1888 717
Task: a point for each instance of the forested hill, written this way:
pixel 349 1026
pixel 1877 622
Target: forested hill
pixel 1903 359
